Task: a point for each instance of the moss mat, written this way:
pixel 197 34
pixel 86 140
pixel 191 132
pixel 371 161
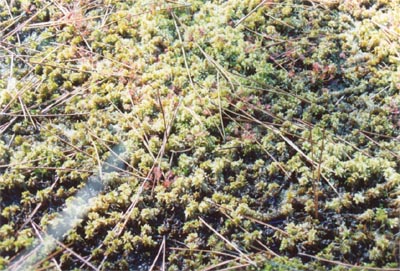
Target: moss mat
pixel 199 135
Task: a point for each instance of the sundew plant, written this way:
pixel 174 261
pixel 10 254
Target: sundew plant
pixel 199 135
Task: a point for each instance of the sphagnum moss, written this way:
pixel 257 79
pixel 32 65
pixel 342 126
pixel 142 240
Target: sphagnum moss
pixel 261 137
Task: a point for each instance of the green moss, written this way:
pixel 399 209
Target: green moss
pixel 293 110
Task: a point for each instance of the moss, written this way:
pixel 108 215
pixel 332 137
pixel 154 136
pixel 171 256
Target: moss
pixel 252 128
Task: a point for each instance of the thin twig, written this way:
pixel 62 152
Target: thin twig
pixel 318 175
pixel 220 253
pixel 164 254
pixel 346 264
pixel 228 242
pixel 220 109
pixel 76 255
pixel 251 218
pixel 218 67
pixel 251 12
pixel 32 214
pixel 218 265
pixel 182 48
pixel 162 245
pixel 41 240
pixel 25 23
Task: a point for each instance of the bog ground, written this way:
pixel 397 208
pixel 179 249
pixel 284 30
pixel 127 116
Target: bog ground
pixel 199 135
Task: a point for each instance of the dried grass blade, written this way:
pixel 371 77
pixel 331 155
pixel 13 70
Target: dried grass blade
pixel 251 12
pixel 162 245
pixel 228 242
